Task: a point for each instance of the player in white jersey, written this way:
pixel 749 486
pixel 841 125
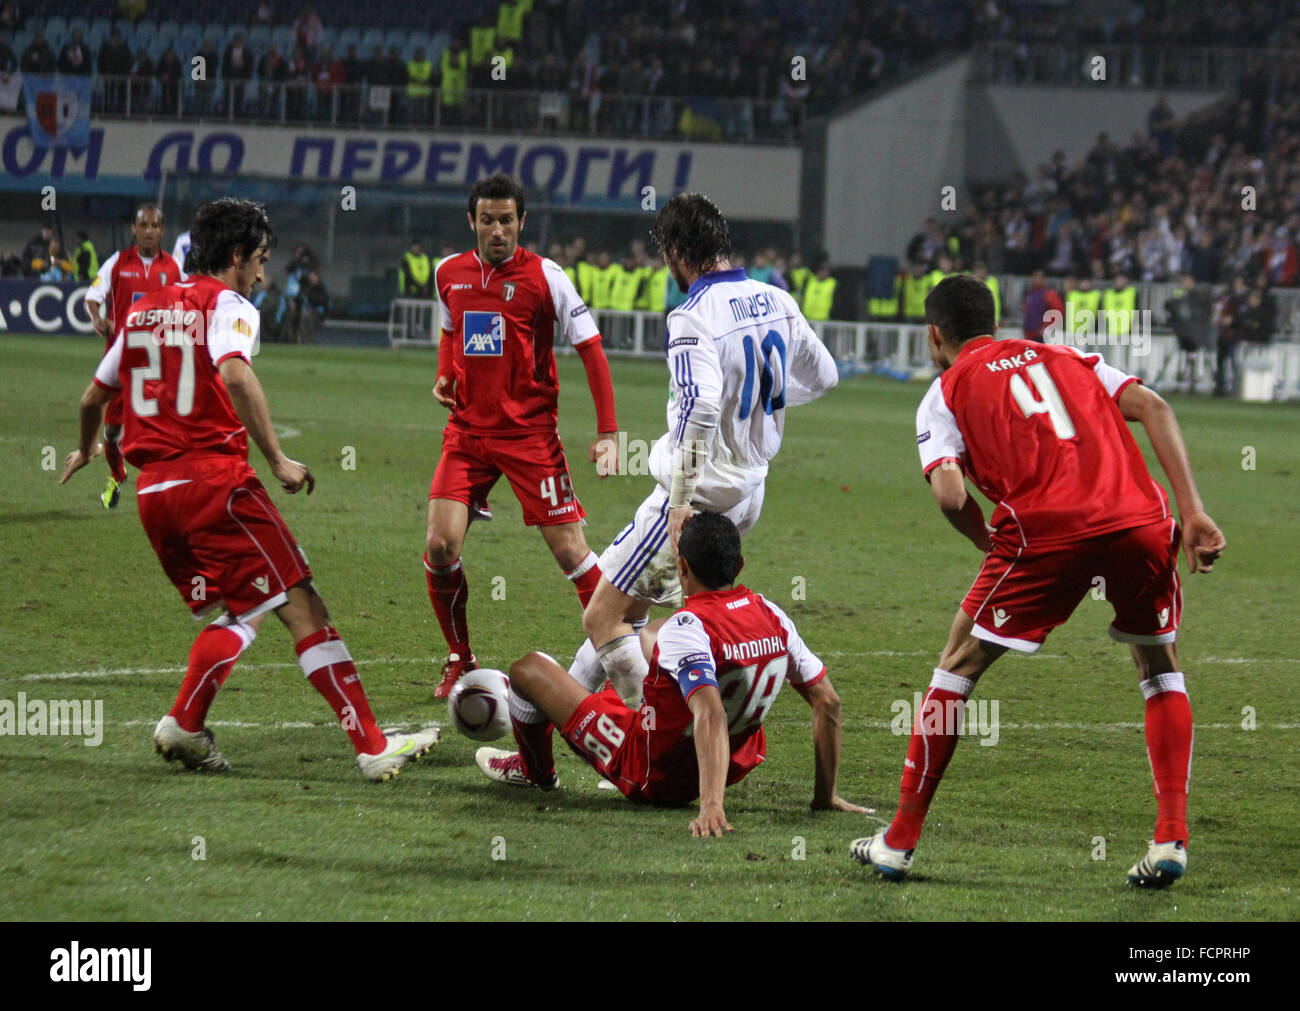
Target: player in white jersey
pixel 739 353
pixel 180 251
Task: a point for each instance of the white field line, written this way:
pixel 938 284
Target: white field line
pixel 109 672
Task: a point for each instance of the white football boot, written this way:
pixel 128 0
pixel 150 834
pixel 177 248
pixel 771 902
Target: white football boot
pixel 401 748
pixel 1164 864
pixel 507 767
pixel 194 750
pixel 891 863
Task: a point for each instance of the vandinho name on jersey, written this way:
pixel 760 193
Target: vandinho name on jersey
pixel 485 333
pixel 752 648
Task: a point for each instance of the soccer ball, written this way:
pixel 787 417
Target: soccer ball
pixel 479 705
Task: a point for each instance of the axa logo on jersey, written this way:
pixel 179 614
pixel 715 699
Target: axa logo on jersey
pixel 485 333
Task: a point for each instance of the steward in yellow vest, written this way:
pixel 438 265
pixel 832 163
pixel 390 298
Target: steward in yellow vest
pixel 455 73
pixel 482 40
pixel 916 285
pixel 819 294
pixel 419 74
pixel 1116 306
pixel 416 277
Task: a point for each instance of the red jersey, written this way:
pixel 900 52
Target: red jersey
pixel 165 359
pixel 125 277
pixel 1038 429
pixel 746 646
pixel 501 322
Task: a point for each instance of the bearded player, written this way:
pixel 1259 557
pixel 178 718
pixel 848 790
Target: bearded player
pixel 739 353
pixel 1041 431
pixel 126 276
pixel 191 400
pixel 716 667
pixel 502 309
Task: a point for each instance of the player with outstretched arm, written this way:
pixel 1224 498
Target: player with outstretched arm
pixel 182 362
pixel 502 309
pixel 1042 431
pixel 715 668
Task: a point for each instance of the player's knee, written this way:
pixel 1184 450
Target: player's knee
pixel 524 672
pixel 441 549
pixel 596 622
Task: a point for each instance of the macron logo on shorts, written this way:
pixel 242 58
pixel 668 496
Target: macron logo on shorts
pixel 485 333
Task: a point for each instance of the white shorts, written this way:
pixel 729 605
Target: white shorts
pixel 641 562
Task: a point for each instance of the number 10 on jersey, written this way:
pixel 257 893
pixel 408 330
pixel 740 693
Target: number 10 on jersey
pixel 758 363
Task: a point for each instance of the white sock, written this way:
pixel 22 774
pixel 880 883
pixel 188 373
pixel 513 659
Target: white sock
pixel 626 667
pixel 586 669
pixel 523 711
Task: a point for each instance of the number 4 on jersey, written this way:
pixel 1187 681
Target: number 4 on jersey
pixel 1050 402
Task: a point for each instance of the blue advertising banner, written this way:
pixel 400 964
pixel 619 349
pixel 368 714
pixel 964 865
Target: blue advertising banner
pixel 32 306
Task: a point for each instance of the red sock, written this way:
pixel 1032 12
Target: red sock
pixel 449 594
pixel 1169 746
pixel 113 455
pixel 329 668
pixel 534 740
pixel 934 739
pixel 585 578
pixel 212 658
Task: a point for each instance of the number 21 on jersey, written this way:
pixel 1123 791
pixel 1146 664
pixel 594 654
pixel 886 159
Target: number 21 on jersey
pixel 1048 402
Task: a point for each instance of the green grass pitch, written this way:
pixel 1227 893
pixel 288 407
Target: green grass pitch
pixel 111 832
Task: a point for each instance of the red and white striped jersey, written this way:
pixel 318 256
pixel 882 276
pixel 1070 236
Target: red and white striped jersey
pixel 166 358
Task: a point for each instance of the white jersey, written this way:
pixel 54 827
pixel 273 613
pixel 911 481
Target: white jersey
pixel 180 251
pixel 739 353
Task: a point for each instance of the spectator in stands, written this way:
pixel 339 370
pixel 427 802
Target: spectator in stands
pixel 56 267
pixel 38 57
pixel 327 74
pixel 1283 263
pixel 265 14
pixel 272 71
pixel 11 16
pixel 295 86
pixel 114 61
pixel 8 58
pixel 314 303
pixel 236 71
pixel 1039 301
pixel 74 58
pixel 37 251
pixel 142 72
pixel 354 72
pixel 307 31
pixel 168 73
pixel 11 265
pixel 205 87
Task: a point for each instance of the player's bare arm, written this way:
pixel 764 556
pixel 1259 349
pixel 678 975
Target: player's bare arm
pixel 92 406
pixel 958 506
pixel 249 402
pixel 103 326
pixel 826 713
pixel 713 751
pixel 1202 539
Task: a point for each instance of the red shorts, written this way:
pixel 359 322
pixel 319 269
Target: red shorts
pixel 619 743
pixel 1019 597
pixel 219 537
pixel 113 413
pixel 534 464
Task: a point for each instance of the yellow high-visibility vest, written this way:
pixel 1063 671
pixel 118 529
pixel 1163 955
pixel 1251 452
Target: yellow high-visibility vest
pixel 510 22
pixel 991 282
pixel 455 76
pixel 914 291
pixel 602 286
pixel 799 276
pixel 1121 302
pixel 419 269
pixel 481 43
pixel 1076 302
pixel 624 289
pixel 419 75
pixel 886 308
pixel 586 281
pixel 819 296
pixel 654 289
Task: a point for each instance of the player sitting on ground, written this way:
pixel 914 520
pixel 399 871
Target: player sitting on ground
pixel 191 400
pixel 715 671
pixel 1040 429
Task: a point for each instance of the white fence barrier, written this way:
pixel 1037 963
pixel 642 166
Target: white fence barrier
pixel 901 350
